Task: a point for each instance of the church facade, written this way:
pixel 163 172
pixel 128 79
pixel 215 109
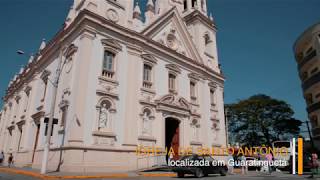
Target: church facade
pixel 124 82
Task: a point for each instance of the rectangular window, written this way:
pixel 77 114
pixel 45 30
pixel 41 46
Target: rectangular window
pixel 147 73
pixel 147 76
pixel 27 101
pixel 172 81
pixel 108 61
pixel 194 3
pixel 192 90
pixel 185 5
pixel 17 108
pixel 108 65
pixel 212 97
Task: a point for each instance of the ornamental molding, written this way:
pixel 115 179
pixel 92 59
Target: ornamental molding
pixel 70 51
pixel 27 89
pixel 111 45
pixel 37 116
pixel 112 15
pixel 174 104
pixel 194 76
pixel 173 68
pixel 213 85
pixel 21 123
pixel 149 58
pixel 45 74
pixel 63 104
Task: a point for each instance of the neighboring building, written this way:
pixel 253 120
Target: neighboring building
pixel 307 52
pixel 124 83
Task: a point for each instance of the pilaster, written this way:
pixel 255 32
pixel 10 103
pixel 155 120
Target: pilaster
pixel 80 87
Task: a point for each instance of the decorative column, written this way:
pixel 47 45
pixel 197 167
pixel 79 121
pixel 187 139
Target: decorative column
pixel 80 89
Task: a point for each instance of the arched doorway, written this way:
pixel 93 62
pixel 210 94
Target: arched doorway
pixel 172 132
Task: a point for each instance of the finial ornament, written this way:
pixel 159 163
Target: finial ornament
pixel 211 17
pixel 137 8
pixel 150 6
pixel 21 70
pixel 137 11
pixel 31 58
pixel 43 44
pixel 150 3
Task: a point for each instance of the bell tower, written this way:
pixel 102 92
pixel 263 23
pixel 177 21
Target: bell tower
pixel 184 6
pixel 118 11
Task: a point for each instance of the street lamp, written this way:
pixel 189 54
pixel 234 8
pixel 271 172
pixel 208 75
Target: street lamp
pixel 52 109
pixel 20 52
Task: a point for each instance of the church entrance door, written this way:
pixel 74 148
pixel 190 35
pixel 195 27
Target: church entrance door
pixel 172 132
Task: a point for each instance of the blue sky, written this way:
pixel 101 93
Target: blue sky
pixel 255 39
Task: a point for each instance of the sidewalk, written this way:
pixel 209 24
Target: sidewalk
pixel 62 175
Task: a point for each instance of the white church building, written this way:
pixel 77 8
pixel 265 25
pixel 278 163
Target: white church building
pixel 126 80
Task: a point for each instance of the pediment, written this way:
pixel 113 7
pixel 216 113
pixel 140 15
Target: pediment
pixel 174 68
pixel 150 58
pixel 111 44
pixel 171 31
pixel 174 101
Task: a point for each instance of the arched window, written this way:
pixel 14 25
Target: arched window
pixel 104 115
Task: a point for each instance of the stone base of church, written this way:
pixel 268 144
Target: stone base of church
pixel 90 160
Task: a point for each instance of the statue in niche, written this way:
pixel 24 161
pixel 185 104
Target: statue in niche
pixel 146 123
pixel 103 118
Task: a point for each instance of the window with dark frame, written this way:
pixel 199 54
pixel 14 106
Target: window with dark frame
pixel 212 97
pixel 172 81
pixel 108 64
pixel 185 5
pixel 192 90
pixel 194 3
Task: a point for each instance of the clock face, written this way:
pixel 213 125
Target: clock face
pixel 113 15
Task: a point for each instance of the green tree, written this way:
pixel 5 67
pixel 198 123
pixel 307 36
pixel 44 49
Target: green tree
pixel 260 120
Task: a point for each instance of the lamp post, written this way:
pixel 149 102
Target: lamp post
pixel 52 110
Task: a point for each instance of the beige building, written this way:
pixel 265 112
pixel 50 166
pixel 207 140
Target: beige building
pixel 307 51
pixel 124 82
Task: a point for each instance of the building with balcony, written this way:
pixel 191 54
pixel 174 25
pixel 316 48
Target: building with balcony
pixel 307 53
pixel 125 81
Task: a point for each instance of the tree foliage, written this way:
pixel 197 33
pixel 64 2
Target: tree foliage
pixel 260 120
